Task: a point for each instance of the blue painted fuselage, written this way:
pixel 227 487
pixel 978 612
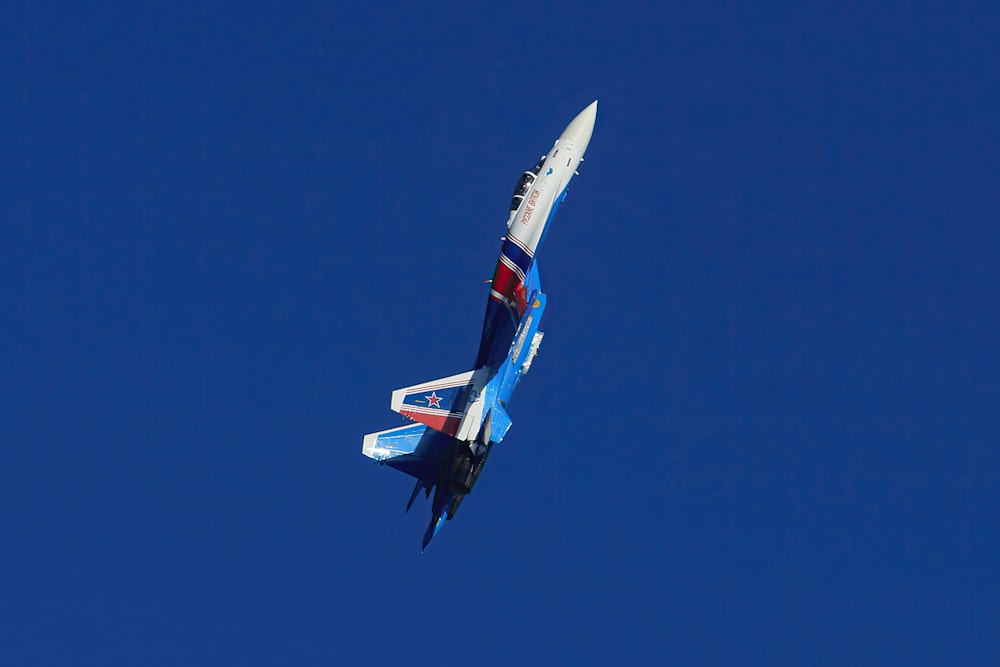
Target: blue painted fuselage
pixel 461 417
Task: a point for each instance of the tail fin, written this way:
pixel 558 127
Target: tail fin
pixel 414 449
pixel 440 404
pixel 393 442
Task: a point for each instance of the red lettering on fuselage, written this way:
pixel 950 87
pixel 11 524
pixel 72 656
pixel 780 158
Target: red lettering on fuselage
pixel 530 208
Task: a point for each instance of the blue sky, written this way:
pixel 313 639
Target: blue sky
pixel 762 428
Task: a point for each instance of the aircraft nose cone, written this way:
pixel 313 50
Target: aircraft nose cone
pixel 581 128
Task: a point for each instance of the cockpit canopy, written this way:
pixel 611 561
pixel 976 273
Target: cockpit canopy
pixel 524 184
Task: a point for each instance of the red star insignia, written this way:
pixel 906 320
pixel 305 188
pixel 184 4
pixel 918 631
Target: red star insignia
pixel 433 401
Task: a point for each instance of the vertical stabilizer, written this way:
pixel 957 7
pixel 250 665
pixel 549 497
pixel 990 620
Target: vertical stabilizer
pixel 440 404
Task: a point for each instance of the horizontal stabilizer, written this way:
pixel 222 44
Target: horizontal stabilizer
pixel 440 404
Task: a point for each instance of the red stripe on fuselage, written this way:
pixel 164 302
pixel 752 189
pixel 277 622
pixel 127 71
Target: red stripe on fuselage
pixel 505 281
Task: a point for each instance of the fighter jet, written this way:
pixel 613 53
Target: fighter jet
pixel 460 418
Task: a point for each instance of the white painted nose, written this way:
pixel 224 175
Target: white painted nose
pixel 581 128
